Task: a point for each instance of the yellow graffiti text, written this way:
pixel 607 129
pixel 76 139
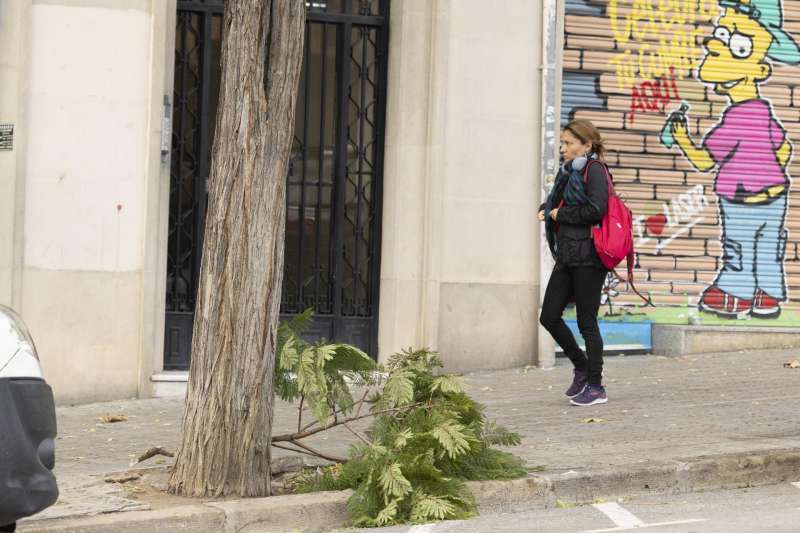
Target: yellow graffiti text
pixel 656 36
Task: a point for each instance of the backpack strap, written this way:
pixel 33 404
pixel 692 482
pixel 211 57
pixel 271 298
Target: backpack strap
pixel 609 180
pixel 647 301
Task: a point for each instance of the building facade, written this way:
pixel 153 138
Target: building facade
pixel 425 138
pixel 410 200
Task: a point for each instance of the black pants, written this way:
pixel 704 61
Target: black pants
pixel 586 285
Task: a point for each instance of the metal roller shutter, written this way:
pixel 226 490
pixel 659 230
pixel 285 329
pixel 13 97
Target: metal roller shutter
pixel 715 245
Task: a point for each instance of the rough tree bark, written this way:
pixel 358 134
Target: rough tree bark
pixel 225 444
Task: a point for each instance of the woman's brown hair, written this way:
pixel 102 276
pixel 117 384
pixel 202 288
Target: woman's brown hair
pixel 586 132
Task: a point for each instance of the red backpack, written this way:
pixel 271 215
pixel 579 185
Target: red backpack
pixel 613 237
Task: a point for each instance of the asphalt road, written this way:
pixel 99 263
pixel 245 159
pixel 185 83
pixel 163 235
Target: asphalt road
pixel 773 509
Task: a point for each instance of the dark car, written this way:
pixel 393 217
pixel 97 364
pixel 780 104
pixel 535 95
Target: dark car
pixel 27 426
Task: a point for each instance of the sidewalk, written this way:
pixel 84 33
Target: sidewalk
pixel 660 409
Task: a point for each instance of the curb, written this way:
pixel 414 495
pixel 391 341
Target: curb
pixel 678 339
pixel 314 512
pixel 322 511
pixel 713 472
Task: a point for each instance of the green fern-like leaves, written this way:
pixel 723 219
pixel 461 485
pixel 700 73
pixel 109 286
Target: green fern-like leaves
pixel 318 373
pixel 427 507
pixel 428 436
pixel 496 435
pixel 388 514
pixel 402 438
pixel 393 483
pixel 293 328
pixel 398 390
pixel 452 438
pixel 448 384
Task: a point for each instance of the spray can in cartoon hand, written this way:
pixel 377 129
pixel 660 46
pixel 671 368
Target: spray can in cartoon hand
pixel 679 115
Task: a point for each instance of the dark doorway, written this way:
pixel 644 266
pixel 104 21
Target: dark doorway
pixel 333 195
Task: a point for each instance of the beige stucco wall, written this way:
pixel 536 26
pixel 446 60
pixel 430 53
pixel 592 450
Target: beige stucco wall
pixel 14 42
pixel 87 145
pixel 460 239
pixel 84 221
pixel 157 185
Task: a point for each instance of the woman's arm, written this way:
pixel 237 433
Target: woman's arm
pixel 597 191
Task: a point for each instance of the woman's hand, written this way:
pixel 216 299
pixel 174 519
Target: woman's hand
pixel 541 215
pixel 554 213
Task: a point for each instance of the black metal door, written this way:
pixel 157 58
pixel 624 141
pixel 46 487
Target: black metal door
pixel 333 194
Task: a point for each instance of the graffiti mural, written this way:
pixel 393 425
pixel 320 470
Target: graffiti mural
pixel 748 150
pixel 699 101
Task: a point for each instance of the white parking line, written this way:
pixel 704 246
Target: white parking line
pixel 625 520
pixel 618 514
pixel 656 524
pixel 424 528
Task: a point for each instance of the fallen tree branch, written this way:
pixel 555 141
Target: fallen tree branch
pixel 315 453
pixel 335 411
pixel 308 450
pixel 354 432
pixel 152 452
pixel 361 402
pixel 307 433
pixel 300 412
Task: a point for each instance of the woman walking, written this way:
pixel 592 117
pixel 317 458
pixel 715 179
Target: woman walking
pixel 577 202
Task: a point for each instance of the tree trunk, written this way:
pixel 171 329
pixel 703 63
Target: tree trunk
pixel 225 445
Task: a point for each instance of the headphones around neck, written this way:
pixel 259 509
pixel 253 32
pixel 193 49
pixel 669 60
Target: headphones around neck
pixel 577 164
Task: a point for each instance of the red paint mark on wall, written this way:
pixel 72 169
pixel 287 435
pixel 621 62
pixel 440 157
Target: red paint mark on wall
pixel 653 96
pixel 655 224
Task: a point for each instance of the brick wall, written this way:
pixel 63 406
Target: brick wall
pixel 675 263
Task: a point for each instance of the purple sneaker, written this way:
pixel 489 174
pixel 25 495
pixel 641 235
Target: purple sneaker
pixel 578 383
pixel 591 395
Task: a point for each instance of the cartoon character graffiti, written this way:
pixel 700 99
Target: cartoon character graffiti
pixel 750 150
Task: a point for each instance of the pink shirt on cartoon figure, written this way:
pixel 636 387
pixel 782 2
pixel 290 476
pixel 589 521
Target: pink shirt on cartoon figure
pixel 744 144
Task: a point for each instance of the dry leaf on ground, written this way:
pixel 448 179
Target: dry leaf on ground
pixel 593 420
pixel 792 364
pixel 110 419
pixel 123 478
